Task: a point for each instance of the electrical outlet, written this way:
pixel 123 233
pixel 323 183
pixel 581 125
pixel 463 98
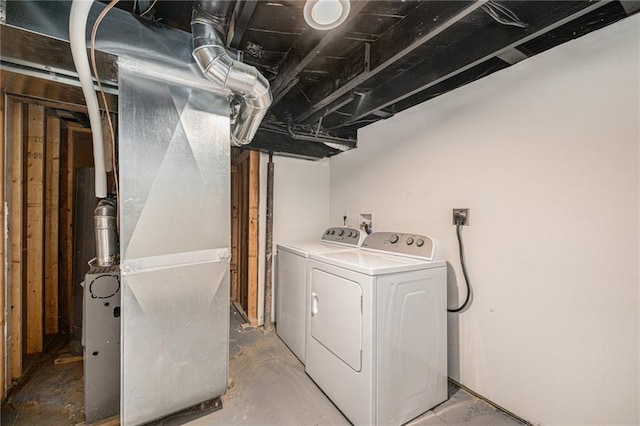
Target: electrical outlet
pixel 366 221
pixel 461 217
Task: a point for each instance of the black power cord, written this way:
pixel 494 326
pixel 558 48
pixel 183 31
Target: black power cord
pixel 463 263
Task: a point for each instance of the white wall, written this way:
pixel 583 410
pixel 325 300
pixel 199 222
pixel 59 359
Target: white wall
pixel 301 199
pixel 546 156
pixel 300 206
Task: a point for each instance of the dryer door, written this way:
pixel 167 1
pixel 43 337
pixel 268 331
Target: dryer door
pixel 336 316
pixel 339 352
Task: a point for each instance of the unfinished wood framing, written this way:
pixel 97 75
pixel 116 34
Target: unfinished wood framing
pixel 245 191
pixel 254 200
pixel 15 197
pixel 52 181
pixel 3 293
pixel 65 267
pixel 243 235
pixel 31 179
pixel 235 231
pixel 268 264
pixel 35 229
pixel 63 227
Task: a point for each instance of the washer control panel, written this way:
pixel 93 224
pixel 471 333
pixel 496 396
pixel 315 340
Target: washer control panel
pixel 350 236
pixel 396 242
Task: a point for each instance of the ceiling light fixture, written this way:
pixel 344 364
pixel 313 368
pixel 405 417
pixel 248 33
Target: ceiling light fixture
pixel 326 14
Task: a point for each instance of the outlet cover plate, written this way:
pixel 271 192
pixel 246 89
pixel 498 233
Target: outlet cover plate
pixel 464 212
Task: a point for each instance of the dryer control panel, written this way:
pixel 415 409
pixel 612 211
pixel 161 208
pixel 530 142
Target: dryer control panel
pixel 408 244
pixel 349 236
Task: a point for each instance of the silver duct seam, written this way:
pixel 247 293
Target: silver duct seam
pixel 208 27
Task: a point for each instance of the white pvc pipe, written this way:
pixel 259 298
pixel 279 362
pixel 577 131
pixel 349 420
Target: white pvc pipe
pixel 77 30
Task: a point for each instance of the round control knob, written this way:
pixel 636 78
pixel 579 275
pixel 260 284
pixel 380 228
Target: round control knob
pixel 351 234
pixel 394 239
pixel 328 232
pixel 409 241
pixel 341 233
pixel 333 232
pixel 420 242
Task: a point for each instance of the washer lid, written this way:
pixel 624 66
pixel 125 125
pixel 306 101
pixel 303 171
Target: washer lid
pixel 305 249
pixel 374 263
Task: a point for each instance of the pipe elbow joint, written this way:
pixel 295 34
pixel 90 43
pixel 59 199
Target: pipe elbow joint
pixel 207 24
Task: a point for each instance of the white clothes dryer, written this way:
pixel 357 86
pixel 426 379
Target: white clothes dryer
pixel 377 334
pixel 291 282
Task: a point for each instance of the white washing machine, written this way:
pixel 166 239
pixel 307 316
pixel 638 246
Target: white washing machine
pixel 291 282
pixel 377 334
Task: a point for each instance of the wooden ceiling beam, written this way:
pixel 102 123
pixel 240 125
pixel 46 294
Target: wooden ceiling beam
pixel 630 6
pixel 271 141
pixel 309 45
pixel 475 47
pixel 424 23
pixel 339 103
pixel 241 17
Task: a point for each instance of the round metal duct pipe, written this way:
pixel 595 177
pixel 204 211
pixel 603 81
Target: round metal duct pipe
pixel 106 234
pixel 208 26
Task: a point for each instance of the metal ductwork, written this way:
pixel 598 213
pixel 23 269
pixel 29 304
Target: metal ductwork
pixel 208 27
pixel 106 233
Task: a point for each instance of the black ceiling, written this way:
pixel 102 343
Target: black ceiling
pixel 387 56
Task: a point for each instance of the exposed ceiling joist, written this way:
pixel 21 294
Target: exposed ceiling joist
pixel 472 74
pixel 389 56
pixel 513 56
pixel 424 23
pixel 383 114
pixel 334 106
pixel 240 22
pixel 273 141
pixel 474 48
pixel 630 6
pixel 305 50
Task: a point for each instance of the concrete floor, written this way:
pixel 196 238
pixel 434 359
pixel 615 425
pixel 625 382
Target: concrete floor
pixel 49 395
pixel 268 387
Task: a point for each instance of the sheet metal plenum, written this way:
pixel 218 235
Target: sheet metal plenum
pixel 174 233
